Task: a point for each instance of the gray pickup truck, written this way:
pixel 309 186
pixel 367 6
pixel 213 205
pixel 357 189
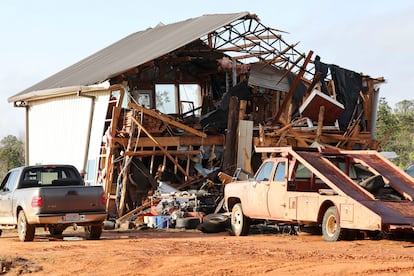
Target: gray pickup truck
pixel 53 197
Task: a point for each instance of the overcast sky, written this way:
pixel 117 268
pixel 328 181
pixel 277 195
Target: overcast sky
pixel 42 37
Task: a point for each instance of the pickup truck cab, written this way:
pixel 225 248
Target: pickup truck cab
pixel 341 192
pixel 50 196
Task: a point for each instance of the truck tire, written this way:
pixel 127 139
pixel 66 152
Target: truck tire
pixel 93 232
pixel 25 230
pixel 187 223
pixel 240 224
pixel 331 230
pixel 214 223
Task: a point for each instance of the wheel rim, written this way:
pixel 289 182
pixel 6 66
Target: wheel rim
pixel 238 219
pixel 331 226
pixel 22 227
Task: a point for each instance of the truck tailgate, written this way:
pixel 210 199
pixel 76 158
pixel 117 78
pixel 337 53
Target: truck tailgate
pixel 71 199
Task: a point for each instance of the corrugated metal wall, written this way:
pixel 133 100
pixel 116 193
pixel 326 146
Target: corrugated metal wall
pixel 58 129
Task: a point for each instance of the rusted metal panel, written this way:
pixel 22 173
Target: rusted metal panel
pixel 332 175
pixel 398 179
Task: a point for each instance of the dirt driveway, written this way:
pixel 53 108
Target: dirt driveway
pixel 173 252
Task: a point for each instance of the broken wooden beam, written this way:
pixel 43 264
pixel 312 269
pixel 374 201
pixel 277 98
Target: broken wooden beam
pixel 295 83
pixel 166 119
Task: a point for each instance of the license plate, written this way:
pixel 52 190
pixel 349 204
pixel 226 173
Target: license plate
pixel 72 217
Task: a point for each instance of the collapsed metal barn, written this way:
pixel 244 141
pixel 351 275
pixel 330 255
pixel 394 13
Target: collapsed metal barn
pixel 190 100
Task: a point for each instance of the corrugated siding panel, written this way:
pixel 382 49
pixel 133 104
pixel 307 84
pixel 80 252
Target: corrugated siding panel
pixel 101 106
pixel 58 129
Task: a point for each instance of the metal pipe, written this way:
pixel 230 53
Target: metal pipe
pixel 26 142
pixel 88 135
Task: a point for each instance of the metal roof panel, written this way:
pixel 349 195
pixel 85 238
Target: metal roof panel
pixel 132 51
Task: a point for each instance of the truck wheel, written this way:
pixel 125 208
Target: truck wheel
pixel 331 230
pixel 25 230
pixel 93 232
pixel 240 224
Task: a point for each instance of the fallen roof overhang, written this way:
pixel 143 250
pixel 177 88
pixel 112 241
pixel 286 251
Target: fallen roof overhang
pixel 54 92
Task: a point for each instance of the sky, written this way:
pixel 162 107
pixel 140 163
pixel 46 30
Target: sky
pixel 42 37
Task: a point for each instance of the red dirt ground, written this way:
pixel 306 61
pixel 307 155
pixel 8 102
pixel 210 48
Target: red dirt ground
pixel 174 252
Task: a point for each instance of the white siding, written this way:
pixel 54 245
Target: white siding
pixel 58 129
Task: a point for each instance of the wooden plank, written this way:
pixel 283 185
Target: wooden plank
pixel 262 37
pixel 320 124
pixel 143 153
pixel 293 87
pixel 300 140
pixel 244 147
pixel 230 148
pixel 166 119
pixel 175 141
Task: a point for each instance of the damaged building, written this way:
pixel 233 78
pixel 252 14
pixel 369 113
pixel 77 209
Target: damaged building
pixel 179 104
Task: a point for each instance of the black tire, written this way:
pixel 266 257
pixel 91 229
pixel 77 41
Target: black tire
pixel 331 230
pixel 56 230
pixel 25 230
pixel 1 231
pixel 187 223
pixel 214 223
pixel 93 232
pixel 240 224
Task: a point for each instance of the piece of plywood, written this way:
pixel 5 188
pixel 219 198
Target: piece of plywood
pixel 310 108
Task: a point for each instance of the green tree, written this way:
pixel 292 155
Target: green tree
pixel 11 154
pixel 400 122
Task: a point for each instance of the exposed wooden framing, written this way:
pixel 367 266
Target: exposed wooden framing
pixel 291 67
pixel 287 126
pixel 238 47
pixel 143 153
pixel 175 141
pixel 169 156
pixel 246 56
pixel 300 140
pixel 125 172
pixel 284 51
pixel 262 37
pixel 166 119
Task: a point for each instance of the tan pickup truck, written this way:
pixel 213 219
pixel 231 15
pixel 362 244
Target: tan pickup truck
pixel 342 192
